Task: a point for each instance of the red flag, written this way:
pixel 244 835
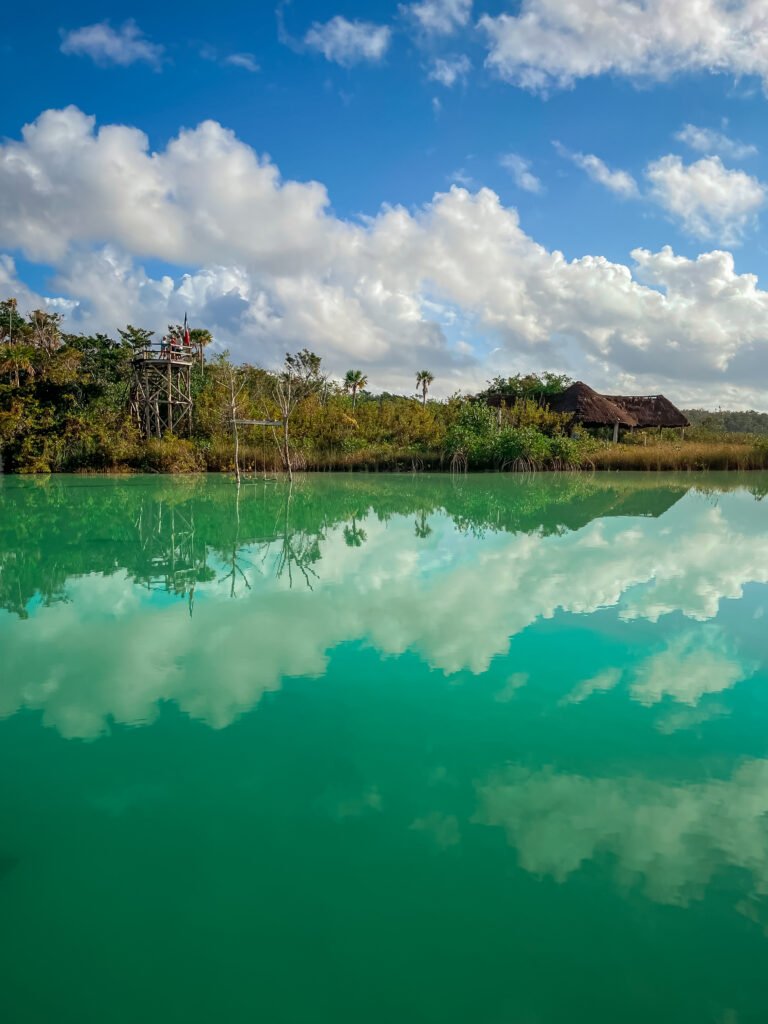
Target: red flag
pixel 187 340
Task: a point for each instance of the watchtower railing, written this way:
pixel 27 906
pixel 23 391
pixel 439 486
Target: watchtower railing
pixel 166 352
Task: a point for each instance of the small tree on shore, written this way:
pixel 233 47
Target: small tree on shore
pixel 299 378
pixel 137 338
pixel 45 330
pixel 232 380
pixel 15 352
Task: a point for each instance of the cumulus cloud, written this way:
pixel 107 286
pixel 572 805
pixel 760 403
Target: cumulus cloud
pixel 711 142
pixel 106 45
pixel 674 837
pixel 689 667
pixel 692 665
pixel 711 201
pixel 440 17
pixel 450 70
pixel 273 268
pixel 520 169
pixel 349 42
pixel 550 45
pixel 620 182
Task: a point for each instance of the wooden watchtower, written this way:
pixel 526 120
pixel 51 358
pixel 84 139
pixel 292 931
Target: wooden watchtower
pixel 161 389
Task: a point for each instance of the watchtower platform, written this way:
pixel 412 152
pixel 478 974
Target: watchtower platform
pixel 161 389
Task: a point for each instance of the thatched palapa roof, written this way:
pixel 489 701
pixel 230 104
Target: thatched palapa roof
pixel 650 410
pixel 587 407
pixel 591 409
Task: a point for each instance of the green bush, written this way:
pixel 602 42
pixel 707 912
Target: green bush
pixel 171 454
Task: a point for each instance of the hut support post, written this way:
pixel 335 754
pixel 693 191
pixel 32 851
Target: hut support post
pixel 616 432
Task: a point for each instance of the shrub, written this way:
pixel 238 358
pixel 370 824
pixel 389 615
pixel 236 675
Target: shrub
pixel 571 452
pixel 171 454
pixel 521 448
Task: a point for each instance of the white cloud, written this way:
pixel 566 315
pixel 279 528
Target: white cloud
pixel 550 44
pixel 711 201
pixel 246 61
pixel 620 182
pixel 461 177
pixel 673 836
pixel 604 681
pixel 106 45
pixel 520 169
pixel 450 70
pixel 349 42
pixel 692 665
pixel 440 17
pixel 711 142
pixel 94 202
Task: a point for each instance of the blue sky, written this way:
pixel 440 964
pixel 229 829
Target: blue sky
pixel 561 127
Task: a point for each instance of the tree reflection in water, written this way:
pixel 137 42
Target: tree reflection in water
pixel 166 532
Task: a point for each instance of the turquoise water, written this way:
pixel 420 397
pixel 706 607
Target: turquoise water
pixel 384 749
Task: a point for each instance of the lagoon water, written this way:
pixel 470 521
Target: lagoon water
pixel 380 749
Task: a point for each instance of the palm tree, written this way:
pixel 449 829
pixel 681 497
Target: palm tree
pixel 354 535
pixel 423 379
pixel 423 529
pixel 200 337
pixel 16 359
pixel 354 381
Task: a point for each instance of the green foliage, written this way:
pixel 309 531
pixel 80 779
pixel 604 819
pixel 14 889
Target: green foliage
pixel 171 454
pixel 136 338
pixel 534 386
pixel 522 432
pixel 354 381
pixel 64 407
pixel 63 399
pixel 526 412
pixel 303 366
pixel 424 380
pixel 13 326
pixel 526 437
pixel 200 337
pixel 723 422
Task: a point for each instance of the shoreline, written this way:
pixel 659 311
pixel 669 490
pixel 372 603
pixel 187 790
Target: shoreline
pixel 177 456
pixel 249 475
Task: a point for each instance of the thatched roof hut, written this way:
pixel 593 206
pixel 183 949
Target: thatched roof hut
pixel 591 409
pixel 650 410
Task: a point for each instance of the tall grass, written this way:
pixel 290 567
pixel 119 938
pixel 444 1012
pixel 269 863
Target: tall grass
pixel 684 455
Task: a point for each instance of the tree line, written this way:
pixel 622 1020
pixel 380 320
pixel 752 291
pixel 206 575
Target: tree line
pixel 65 407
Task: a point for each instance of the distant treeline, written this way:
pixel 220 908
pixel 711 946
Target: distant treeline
pixel 726 422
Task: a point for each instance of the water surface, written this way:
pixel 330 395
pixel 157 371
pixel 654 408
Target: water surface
pixel 384 749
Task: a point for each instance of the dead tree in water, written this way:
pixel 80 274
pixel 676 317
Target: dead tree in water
pixel 297 548
pixel 299 378
pixel 233 383
pixel 236 558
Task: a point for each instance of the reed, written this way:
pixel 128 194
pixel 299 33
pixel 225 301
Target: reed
pixel 685 455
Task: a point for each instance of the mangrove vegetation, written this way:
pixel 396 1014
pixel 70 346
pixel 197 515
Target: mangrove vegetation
pixel 65 407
